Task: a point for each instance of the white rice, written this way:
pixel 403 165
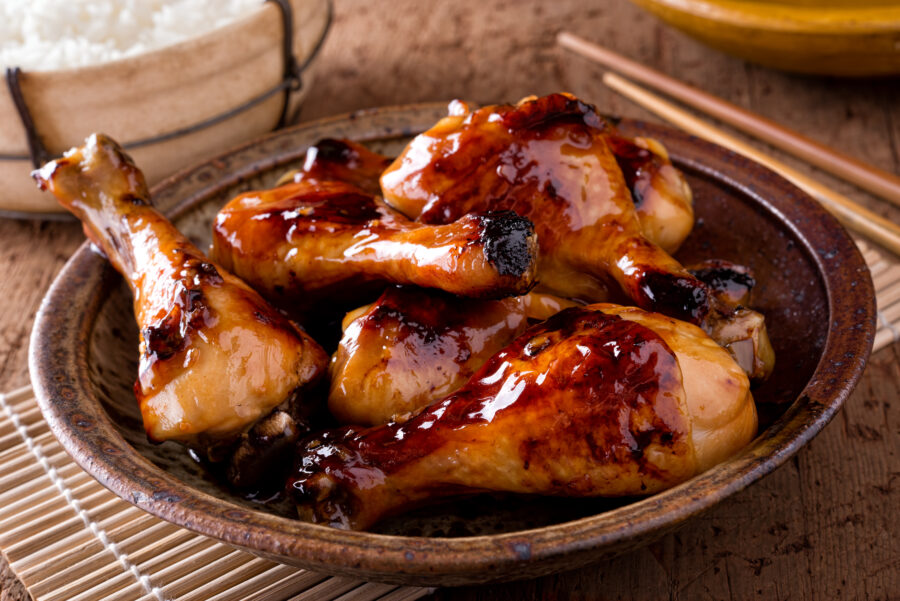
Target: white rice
pixel 40 35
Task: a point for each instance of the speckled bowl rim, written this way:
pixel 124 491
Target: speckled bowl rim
pixel 59 371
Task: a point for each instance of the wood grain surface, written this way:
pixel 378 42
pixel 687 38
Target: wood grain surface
pixel 824 526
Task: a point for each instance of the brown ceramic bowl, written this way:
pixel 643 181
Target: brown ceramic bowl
pixel 814 289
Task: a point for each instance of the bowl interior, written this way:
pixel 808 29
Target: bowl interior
pixel 789 292
pixel 813 288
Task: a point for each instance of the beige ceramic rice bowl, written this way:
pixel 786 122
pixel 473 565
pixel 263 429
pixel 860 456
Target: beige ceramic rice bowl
pixel 157 93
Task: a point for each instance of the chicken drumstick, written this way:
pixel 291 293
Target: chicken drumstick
pixel 596 401
pixel 214 356
pixel 546 159
pixel 414 346
pixel 308 241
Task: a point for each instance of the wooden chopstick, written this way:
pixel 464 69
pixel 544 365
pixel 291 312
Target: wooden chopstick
pixel 852 215
pixel 874 180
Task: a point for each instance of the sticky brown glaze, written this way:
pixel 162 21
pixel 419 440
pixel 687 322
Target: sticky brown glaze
pixel 414 346
pixel 588 403
pixel 547 159
pixel 308 242
pixel 343 161
pixel 214 356
pixel 661 195
pixel 717 388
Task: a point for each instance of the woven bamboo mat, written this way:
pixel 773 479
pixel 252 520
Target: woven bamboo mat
pixel 886 277
pixel 68 538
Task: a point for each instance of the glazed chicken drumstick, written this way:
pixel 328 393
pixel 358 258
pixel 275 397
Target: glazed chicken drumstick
pixel 308 241
pixel 214 356
pixel 550 159
pixel 414 346
pixel 600 400
pixel 546 159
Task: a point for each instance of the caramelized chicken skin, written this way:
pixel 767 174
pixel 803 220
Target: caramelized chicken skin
pixel 596 401
pixel 730 282
pixel 661 195
pixel 413 346
pixel 214 356
pixel 722 411
pixel 547 159
pixel 307 242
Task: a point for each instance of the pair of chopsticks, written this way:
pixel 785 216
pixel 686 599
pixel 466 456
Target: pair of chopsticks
pixel 851 214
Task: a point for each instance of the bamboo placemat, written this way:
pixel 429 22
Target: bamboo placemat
pixel 886 277
pixel 68 538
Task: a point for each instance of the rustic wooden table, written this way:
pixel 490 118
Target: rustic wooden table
pixel 824 526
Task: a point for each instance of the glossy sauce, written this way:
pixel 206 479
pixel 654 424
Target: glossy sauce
pixel 548 159
pixel 414 346
pixel 636 365
pixel 306 242
pixel 583 387
pixel 516 158
pixel 637 164
pixel 290 210
pixel 172 317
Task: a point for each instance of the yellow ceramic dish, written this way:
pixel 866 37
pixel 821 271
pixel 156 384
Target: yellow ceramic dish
pixel 829 37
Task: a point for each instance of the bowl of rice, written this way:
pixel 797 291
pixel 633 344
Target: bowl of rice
pixel 174 80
